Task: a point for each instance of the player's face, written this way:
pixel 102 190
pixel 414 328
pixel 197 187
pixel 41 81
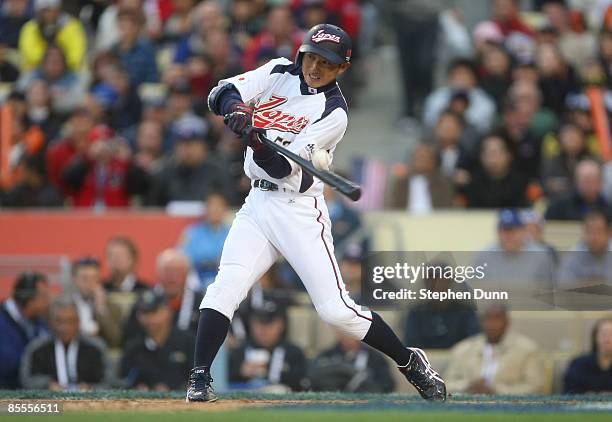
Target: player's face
pixel 318 71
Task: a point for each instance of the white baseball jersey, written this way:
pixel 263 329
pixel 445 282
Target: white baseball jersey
pixel 292 222
pixel 301 118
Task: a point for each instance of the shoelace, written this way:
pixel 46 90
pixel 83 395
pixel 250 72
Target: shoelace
pixel 200 381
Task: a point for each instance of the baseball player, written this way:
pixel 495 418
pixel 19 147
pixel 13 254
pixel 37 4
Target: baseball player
pixel 299 105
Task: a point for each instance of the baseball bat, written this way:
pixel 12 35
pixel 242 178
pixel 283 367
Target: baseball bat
pixel 342 185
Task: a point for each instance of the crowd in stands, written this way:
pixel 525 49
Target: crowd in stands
pixel 62 341
pixel 108 98
pixel 521 117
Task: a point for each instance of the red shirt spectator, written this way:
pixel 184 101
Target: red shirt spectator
pixel 105 175
pixel 61 153
pixel 506 15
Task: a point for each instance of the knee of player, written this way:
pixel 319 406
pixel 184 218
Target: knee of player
pixel 336 315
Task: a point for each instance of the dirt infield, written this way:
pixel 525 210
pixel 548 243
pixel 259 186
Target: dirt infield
pixel 174 405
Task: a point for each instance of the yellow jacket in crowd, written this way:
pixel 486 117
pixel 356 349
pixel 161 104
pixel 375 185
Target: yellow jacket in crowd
pixel 70 37
pixel 513 366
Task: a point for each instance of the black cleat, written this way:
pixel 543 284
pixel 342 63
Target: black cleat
pixel 422 376
pixel 199 388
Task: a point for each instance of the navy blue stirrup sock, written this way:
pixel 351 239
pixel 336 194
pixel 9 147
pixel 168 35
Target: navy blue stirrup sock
pixel 212 330
pixel 381 337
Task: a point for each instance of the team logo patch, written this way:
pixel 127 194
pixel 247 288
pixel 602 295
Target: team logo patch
pixel 321 36
pixel 267 117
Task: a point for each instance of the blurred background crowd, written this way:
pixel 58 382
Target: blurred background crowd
pixel 501 104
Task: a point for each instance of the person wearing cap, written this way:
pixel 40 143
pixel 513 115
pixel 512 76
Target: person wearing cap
pixel 105 176
pixel 514 261
pixel 267 358
pixel 192 174
pixel 180 285
pixel 22 318
pixel 161 359
pixel 52 26
pixel 350 366
pixel 66 360
pixel 299 105
pixel 99 317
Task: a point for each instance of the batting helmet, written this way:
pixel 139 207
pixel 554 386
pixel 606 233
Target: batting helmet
pixel 328 41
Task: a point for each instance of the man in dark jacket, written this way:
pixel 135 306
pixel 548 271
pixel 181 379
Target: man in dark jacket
pixel 193 174
pixel 267 358
pixel 351 366
pixel 21 320
pixel 586 195
pixel 65 360
pixel 162 359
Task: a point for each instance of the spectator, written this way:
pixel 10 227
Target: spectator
pixel 585 195
pixel 22 318
pixel 203 242
pixel 245 22
pixel 121 260
pixel 592 372
pixel 498 361
pixel 576 43
pixel 76 141
pixel 351 271
pixel 192 174
pixel 515 262
pixel 25 142
pixel 66 360
pixel 8 71
pixel 534 232
pixel 346 222
pixel 178 284
pixel 149 146
pixel 506 15
pixel 13 15
pixel 120 99
pixel 351 366
pixel 178 24
pixel 98 316
pixel 65 85
pixel 557 78
pixel 497 182
pixel 455 141
pixel 51 26
pixel 461 77
pixel 162 359
pixel 105 176
pixel 40 110
pixel 108 28
pixel 137 54
pixel 558 171
pixel 495 79
pixel 34 189
pixel 281 37
pixel 421 186
pixel 591 260
pixel 207 17
pixel 605 54
pixel 268 359
pixel 435 324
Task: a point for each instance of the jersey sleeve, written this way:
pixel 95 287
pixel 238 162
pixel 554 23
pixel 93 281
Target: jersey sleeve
pixel 324 134
pixel 252 84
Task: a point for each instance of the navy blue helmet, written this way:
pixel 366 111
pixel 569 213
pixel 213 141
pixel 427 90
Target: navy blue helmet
pixel 329 41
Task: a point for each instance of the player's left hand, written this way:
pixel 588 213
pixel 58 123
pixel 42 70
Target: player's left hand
pixel 238 121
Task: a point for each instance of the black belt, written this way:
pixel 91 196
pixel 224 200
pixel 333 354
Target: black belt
pixel 265 185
